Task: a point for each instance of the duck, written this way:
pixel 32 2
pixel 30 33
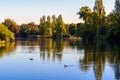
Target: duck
pixel 65 65
pixel 29 51
pixel 31 58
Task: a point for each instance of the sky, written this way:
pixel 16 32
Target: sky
pixel 25 11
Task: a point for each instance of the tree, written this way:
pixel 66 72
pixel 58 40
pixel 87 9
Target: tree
pixel 48 32
pixel 54 27
pixel 87 30
pixel 60 30
pixel 85 13
pixel 54 24
pixel 117 7
pixel 24 30
pixel 34 28
pixel 72 29
pixel 112 19
pixel 28 29
pixel 42 26
pixel 13 26
pixel 113 22
pixel 117 10
pixel 5 33
pixel 99 10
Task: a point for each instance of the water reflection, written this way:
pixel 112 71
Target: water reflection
pixel 52 49
pixel 101 54
pixel 7 49
pixel 97 55
pixel 48 48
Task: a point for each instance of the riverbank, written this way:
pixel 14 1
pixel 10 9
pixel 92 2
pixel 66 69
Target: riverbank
pixel 73 38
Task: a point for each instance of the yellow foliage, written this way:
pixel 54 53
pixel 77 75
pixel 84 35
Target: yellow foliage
pixel 5 33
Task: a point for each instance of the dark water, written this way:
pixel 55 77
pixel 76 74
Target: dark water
pixel 47 59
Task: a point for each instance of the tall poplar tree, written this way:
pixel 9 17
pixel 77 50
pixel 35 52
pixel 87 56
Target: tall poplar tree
pixel 42 26
pixel 59 29
pixel 117 7
pixel 48 32
pixel 54 24
pixel 117 11
pixel 99 10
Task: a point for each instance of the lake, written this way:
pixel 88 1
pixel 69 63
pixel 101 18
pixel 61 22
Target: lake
pixel 47 59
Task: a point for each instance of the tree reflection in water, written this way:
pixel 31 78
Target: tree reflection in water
pixel 52 48
pixel 96 54
pixel 49 48
pixel 99 54
pixel 7 49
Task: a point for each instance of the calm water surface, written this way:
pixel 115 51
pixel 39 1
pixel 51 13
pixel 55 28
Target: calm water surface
pixel 59 60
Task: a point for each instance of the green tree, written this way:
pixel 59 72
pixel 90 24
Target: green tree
pixel 117 10
pixel 117 7
pixel 42 26
pixel 24 30
pixel 60 30
pixel 78 31
pixel 87 30
pixel 48 32
pixel 112 19
pixel 113 23
pixel 72 29
pixel 85 13
pixel 99 10
pixel 54 24
pixel 28 29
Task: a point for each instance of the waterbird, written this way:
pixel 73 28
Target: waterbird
pixel 29 51
pixel 65 65
pixel 31 58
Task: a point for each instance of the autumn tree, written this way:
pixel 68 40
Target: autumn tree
pixel 34 28
pixel 5 33
pixel 12 25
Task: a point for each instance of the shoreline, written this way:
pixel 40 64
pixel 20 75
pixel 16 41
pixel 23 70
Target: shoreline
pixel 38 36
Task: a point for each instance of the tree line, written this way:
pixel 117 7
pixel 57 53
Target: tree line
pixel 99 26
pixel 50 26
pixel 96 25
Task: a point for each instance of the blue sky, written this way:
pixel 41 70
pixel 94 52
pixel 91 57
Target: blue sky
pixel 24 11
